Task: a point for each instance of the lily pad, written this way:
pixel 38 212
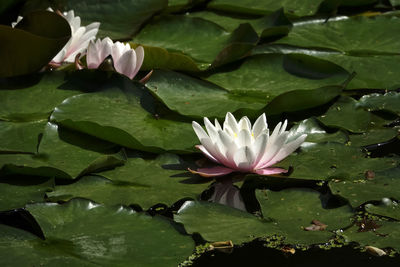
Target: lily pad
pixel 386 236
pixel 368 76
pixel 315 133
pixel 293 210
pixel 45 32
pixel 119 20
pixel 216 222
pixel 381 184
pixel 142 182
pixel 364 35
pixel 197 98
pixel 387 208
pixel 230 23
pixel 200 39
pixel 373 136
pixel 326 161
pixel 294 8
pixel 346 114
pixel 160 58
pixel 388 102
pixel 34 97
pixel 75 236
pixel 20 136
pixel 16 192
pixel 117 113
pixel 65 154
pixel 267 76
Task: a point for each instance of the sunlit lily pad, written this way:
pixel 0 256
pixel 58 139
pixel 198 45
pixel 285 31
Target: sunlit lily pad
pixel 334 161
pixel 268 76
pixel 197 98
pixel 373 186
pixel 15 192
pixel 142 182
pixel 216 222
pixel 296 8
pixel 75 236
pixel 388 102
pixel 20 136
pixel 65 154
pixel 118 114
pixel 293 210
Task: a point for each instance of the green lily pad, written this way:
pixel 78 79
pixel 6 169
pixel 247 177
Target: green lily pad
pixel 389 102
pixel 388 208
pixel 197 98
pixel 119 20
pixel 368 75
pixel 383 184
pixel 160 58
pixel 216 222
pixel 294 209
pixel 142 182
pixel 386 236
pixel 364 35
pixel 230 23
pixel 346 114
pixel 65 154
pixel 373 136
pixel 45 32
pixel 267 76
pixel 32 98
pixel 117 114
pixel 294 8
pixel 202 40
pixel 20 136
pixel 315 133
pixel 16 192
pixel 326 161
pixel 75 236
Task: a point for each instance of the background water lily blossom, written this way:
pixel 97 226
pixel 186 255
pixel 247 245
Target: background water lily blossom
pixel 101 110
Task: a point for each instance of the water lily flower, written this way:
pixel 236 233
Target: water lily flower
pixel 97 52
pixel 239 147
pixel 127 61
pixel 79 41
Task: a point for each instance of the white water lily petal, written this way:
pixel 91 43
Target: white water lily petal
pixel 239 147
pixel 230 123
pixel 139 59
pixel 260 126
pixel 288 149
pixel 212 132
pixel 97 52
pixel 244 138
pixel 272 150
pixel 126 64
pixel 244 158
pixel 244 123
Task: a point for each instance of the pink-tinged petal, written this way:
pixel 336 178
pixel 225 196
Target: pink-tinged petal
pixel 118 50
pixel 270 171
pixel 126 64
pixel 207 154
pixel 97 52
pixel 212 172
pixel 139 59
